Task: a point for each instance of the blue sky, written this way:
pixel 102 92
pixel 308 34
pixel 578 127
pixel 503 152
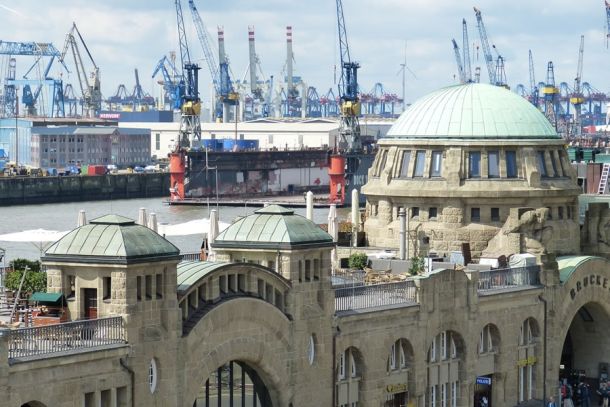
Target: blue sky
pixel 123 35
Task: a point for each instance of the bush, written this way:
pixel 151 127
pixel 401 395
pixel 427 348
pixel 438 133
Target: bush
pixel 417 265
pixel 358 261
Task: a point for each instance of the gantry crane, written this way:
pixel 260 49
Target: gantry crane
pixel 485 44
pixel 550 92
pixel 90 90
pixel 534 91
pixel 348 90
pixel 170 81
pixel 577 98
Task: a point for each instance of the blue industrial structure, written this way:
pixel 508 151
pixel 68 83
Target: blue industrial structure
pixel 170 82
pixel 32 88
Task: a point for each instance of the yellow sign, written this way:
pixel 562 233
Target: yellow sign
pixel 531 360
pixel 396 388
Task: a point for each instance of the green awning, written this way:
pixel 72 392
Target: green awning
pixel 47 298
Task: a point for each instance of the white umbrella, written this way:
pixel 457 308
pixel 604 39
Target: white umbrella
pixel 152 221
pixel 142 217
pixel 39 237
pixel 193 227
pixel 212 233
pixel 82 218
pixel 309 205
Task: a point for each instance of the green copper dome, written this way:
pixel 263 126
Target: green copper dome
pixel 472 111
pixel 111 239
pixel 273 227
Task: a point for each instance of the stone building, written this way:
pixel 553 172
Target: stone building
pixel 458 160
pixel 268 323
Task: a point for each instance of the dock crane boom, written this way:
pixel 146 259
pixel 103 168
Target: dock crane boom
pixel 348 90
pixel 466 52
pixel 486 49
pixel 458 60
pixel 534 91
pixel 607 22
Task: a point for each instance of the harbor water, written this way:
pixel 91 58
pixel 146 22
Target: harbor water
pixel 64 216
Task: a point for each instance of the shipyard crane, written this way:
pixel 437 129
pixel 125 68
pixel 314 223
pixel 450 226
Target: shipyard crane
pixel 170 82
pixel 228 96
pixel 577 98
pixel 458 60
pixel 38 50
pixel 486 49
pixel 550 92
pixel 90 90
pixel 348 90
pixel 466 51
pixel 534 90
pixel 500 72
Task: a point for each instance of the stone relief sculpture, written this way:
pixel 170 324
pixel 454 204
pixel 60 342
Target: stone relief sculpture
pixel 534 233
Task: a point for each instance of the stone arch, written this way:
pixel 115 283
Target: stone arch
pixel 401 348
pixel 253 333
pixel 33 403
pixel 446 362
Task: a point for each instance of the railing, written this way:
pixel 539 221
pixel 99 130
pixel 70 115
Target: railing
pixel 377 295
pixel 509 278
pixel 344 277
pixel 196 256
pixel 65 337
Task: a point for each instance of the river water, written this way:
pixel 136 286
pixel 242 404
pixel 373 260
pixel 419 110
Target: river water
pixel 63 216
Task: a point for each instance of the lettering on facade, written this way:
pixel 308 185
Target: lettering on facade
pixel 359 179
pixel 592 279
pixel 396 388
pixel 484 380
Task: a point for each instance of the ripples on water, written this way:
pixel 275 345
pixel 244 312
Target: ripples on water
pixel 63 216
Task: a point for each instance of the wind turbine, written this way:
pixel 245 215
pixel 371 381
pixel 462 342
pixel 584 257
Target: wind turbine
pixel 403 69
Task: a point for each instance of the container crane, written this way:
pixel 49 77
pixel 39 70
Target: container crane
pixel 91 90
pixel 550 92
pixel 534 91
pixel 170 84
pixel 577 98
pixel 228 96
pixel 607 22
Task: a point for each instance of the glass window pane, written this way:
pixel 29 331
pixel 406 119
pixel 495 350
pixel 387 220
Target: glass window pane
pixel 493 164
pixel 404 166
pixel 437 159
pixel 511 164
pixel 541 166
pixel 420 161
pixel 474 164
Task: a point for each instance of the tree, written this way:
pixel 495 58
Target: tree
pixel 417 265
pixel 35 279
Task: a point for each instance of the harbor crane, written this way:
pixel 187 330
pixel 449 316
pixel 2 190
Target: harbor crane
pixel 466 51
pixel 534 91
pixel 458 60
pixel 90 89
pixel 348 90
pixel 38 50
pixel 497 75
pixel 577 98
pixel 550 92
pixel 169 82
pixel 607 22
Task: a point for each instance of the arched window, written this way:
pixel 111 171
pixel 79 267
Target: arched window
pixel 489 339
pixel 348 378
pixel 526 361
pixel 444 357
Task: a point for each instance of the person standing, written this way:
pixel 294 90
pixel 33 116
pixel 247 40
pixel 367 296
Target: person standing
pixel 603 394
pixel 585 394
pixel 551 402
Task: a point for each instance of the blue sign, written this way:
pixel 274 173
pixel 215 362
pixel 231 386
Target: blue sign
pixel 484 380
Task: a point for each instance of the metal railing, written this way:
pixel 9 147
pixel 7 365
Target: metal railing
pixel 376 295
pixel 196 256
pixel 65 337
pixel 509 278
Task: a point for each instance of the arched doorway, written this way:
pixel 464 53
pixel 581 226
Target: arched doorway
pixel 235 384
pixel 584 356
pixel 33 404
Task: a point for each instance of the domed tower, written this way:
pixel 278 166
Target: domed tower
pixel 275 237
pixel 467 163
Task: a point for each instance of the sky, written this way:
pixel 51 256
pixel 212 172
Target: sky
pixel 382 34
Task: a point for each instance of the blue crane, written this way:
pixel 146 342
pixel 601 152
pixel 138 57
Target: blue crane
pixel 607 22
pixel 497 75
pixel 170 84
pixel 577 98
pixel 348 90
pixel 190 124
pixel 38 50
pixel 458 60
pixel 466 51
pixel 534 90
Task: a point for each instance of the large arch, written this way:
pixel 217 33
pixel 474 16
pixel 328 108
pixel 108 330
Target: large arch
pixel 33 403
pixel 446 360
pixel 581 322
pixel 254 333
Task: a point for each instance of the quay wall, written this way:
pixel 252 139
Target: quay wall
pixel 38 190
